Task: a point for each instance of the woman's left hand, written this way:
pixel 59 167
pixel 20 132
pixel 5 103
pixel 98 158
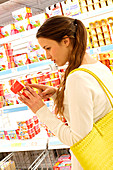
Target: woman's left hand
pixel 33 101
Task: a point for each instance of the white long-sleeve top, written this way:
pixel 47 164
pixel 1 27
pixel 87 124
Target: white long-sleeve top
pixel 84 103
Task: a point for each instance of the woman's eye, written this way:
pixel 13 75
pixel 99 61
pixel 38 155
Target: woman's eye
pixel 48 48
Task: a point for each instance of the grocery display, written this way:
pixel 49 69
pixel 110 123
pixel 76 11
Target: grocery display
pixel 23 60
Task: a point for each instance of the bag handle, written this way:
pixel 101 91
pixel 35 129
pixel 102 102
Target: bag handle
pixel 99 81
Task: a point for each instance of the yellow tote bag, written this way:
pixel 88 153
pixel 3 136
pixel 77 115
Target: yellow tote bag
pixel 95 151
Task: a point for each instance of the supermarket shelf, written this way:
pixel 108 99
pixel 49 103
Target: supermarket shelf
pixel 21 107
pixel 101 49
pixel 94 13
pixel 92 16
pixel 39 142
pixel 14 108
pixel 54 143
pixel 22 70
pixel 18 36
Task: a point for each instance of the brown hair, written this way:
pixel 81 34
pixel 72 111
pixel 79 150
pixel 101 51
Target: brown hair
pixel 55 28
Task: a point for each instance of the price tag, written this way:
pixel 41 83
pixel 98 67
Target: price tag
pixel 97 50
pixel 14 70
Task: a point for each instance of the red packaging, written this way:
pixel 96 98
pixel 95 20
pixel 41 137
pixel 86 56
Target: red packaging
pixel 1 90
pixel 16 87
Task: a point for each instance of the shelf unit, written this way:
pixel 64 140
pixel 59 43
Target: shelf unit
pixel 19 44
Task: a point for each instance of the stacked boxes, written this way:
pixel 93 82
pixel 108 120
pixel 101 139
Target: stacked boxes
pixel 100 33
pixel 89 5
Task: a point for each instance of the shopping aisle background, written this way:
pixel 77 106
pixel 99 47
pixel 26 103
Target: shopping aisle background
pixel 22 59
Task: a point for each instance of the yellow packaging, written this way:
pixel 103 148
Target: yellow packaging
pixel 91 25
pixel 109 2
pixel 103 4
pixel 111 26
pixel 96 6
pixel 89 2
pixel 105 28
pixel 97 23
pixel 95 44
pixel 106 35
pixel 101 42
pixel 103 21
pixel 110 19
pixel 100 37
pixel 93 31
pixel 90 7
pixel 98 30
pixel 84 9
pixel 94 37
pixel 108 41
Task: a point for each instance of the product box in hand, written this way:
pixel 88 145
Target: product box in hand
pixel 37 20
pixel 22 14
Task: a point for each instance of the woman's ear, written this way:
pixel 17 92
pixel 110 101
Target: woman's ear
pixel 66 41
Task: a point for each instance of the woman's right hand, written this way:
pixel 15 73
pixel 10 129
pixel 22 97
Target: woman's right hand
pixel 44 91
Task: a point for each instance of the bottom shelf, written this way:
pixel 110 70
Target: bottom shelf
pixel 47 158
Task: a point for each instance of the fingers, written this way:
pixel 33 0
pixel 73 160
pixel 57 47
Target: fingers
pixel 37 86
pixel 30 92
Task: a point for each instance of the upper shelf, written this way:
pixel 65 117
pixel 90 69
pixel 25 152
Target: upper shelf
pixel 95 15
pixel 87 17
pixel 26 69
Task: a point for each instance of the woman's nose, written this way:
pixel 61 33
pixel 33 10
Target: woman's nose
pixel 48 56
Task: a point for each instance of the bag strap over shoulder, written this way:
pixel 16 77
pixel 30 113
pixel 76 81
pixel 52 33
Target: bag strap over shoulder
pixel 99 81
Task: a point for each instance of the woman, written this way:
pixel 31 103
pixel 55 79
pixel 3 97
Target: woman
pixel 80 99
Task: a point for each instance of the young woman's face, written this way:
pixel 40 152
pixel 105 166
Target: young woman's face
pixel 57 52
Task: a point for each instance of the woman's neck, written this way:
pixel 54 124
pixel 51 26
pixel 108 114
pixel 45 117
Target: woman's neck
pixel 88 60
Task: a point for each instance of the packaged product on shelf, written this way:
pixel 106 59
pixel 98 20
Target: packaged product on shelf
pixel 1 90
pixel 13 29
pixel 37 129
pixel 83 6
pixel 96 5
pixel 22 14
pixel 64 162
pixel 21 25
pixel 1 35
pixel 109 2
pixel 9 165
pixel 29 25
pixel 3 63
pixel 37 20
pixel 6 30
pixel 54 10
pixel 103 3
pixel 55 82
pixel 33 56
pixel 41 54
pixel 20 59
pixel 70 8
pixel 10 99
pixel 33 45
pixel 10 134
pixel 2 135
